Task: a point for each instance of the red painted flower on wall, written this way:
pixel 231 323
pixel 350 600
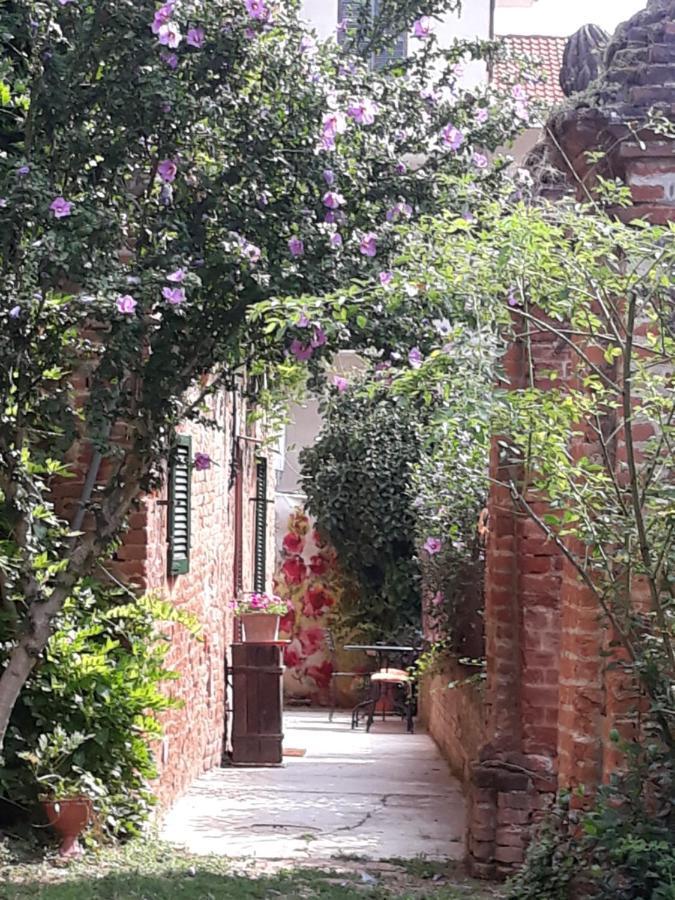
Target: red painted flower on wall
pixel 294 570
pixel 319 564
pixel 293 543
pixel 293 655
pixel 321 674
pixel 311 639
pixel 317 601
pixel 287 622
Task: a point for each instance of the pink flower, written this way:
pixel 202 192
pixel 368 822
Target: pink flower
pixel 202 462
pixel 386 278
pixel 169 35
pixel 518 92
pixel 60 207
pixel 341 384
pixel 399 211
pixel 482 115
pixel 196 37
pixel 333 200
pixel 363 111
pixel 336 240
pixel 479 160
pixel 167 170
pixel 308 44
pixel 433 545
pixel 257 10
pixel 296 246
pixel 452 137
pixel 317 601
pixel 177 276
pixel 126 305
pixel 400 168
pixel 368 245
pixel 422 28
pixel 521 111
pixel 174 296
pixel 437 599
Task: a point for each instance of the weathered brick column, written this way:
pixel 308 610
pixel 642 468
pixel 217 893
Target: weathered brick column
pixel 552 700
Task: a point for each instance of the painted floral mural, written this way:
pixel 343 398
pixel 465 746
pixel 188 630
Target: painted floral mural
pixel 307 575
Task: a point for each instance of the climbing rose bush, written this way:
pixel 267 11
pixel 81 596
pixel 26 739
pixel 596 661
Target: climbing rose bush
pixel 164 171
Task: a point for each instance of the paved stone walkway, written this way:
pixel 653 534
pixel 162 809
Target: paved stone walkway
pixel 380 795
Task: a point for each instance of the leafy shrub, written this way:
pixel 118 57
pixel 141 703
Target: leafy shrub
pixel 623 848
pixel 356 477
pixel 101 677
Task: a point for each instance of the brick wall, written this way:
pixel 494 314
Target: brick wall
pixel 553 696
pixel 195 733
pixel 454 716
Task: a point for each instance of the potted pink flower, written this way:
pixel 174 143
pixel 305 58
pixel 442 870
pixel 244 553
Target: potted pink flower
pixel 260 614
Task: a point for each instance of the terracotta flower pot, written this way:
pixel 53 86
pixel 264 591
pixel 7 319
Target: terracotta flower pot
pixel 260 627
pixel 69 818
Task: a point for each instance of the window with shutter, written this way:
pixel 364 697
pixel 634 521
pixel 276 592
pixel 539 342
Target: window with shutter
pixel 180 491
pixel 348 13
pixel 260 552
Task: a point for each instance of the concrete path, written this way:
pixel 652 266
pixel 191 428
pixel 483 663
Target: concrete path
pixel 379 795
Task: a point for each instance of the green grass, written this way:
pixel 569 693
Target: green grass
pixel 154 871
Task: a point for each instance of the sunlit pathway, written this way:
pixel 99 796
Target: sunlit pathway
pixel 379 795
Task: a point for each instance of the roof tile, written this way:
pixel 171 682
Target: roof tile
pixel 545 50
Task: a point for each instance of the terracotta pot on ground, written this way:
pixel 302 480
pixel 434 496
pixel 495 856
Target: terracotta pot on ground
pixel 69 818
pixel 260 627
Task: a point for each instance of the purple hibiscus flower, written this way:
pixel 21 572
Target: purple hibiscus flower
pixel 479 160
pixel 333 200
pixel 167 170
pixel 296 246
pixel 333 124
pixel 257 9
pixel 61 207
pixel 482 115
pixel 302 352
pixel 319 337
pixel 23 170
pixel 202 462
pixel 15 312
pixel 162 17
pixel 400 168
pixel 169 35
pixel 176 277
pixel 452 137
pixel 368 245
pixel 196 37
pixel 363 111
pixel 518 92
pixel 308 44
pixel 251 251
pixel 340 383
pixel 126 305
pixel 170 59
pixel 174 296
pixel 422 28
pixel 336 240
pixel 415 358
pixel 386 278
pixel 399 211
pixel 433 545
pixel 329 177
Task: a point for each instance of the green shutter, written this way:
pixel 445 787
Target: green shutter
pixel 260 553
pixel 398 51
pixel 180 500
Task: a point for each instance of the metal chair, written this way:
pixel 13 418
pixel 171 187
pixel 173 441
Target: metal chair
pixel 397 678
pixel 330 646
